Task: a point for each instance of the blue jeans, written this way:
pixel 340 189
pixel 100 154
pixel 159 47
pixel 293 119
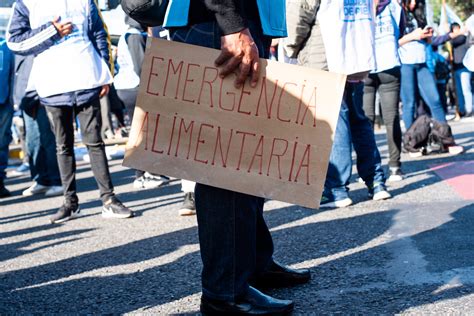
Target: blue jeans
pixel 464 90
pixel 419 76
pixel 234 238
pixel 353 128
pixel 6 116
pixel 41 147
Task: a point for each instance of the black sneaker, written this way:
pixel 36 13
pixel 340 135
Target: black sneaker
pixel 65 213
pixel 113 208
pixel 4 192
pixel 189 206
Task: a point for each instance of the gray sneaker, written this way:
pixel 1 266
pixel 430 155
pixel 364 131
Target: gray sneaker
pixel 113 208
pixel 65 213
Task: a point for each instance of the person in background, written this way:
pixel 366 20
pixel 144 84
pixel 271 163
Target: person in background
pixel 462 76
pixel 40 143
pixel 71 71
pixel 6 112
pixel 415 74
pixel 439 67
pixel 236 245
pixel 386 80
pixel 312 25
pixel 130 55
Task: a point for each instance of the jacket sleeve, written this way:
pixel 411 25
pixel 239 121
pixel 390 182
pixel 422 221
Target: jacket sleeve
pixel 23 40
pixel 458 41
pixel 99 35
pixel 301 17
pixel 440 40
pixel 229 14
pixel 136 46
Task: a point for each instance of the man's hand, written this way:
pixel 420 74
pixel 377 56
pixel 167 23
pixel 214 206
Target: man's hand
pixel 239 52
pixel 105 90
pixel 62 28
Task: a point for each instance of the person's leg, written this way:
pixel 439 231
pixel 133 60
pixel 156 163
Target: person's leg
pixel 227 220
pixel 90 123
pixel 61 119
pixel 390 96
pixel 227 223
pixel 107 129
pixel 370 88
pixel 340 159
pixel 6 116
pixel 369 164
pixel 459 92
pixel 465 78
pixel 441 87
pixel 36 156
pixel 49 147
pixel 428 91
pixel 408 94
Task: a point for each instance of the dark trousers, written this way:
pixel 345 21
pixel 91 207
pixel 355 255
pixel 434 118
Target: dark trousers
pixel 235 241
pixel 387 83
pixel 61 119
pixel 41 147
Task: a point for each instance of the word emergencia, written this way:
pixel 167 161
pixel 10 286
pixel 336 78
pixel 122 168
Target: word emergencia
pixel 273 140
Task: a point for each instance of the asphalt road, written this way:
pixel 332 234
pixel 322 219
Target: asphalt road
pixel 413 254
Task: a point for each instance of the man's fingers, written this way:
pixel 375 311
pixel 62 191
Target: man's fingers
pixel 255 73
pixel 245 69
pixel 230 66
pixel 222 58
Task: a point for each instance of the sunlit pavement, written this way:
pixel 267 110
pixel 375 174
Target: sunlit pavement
pixel 413 254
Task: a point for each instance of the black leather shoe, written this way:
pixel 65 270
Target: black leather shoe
pixel 253 302
pixel 278 275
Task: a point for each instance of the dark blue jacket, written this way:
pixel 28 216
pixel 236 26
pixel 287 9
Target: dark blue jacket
pixel 35 41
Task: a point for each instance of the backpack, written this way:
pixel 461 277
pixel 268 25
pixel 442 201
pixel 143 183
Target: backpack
pixel 416 137
pixel 146 12
pixel 426 133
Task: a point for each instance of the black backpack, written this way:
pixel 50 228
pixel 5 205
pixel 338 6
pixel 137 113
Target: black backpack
pixel 426 133
pixel 416 137
pixel 146 12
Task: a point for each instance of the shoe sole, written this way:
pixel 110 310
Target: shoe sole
pixel 207 311
pixel 112 215
pixel 384 195
pixel 32 193
pixel 337 204
pixel 73 216
pixel 187 212
pixel 395 178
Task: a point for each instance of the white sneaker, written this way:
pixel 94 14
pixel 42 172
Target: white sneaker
pixel 36 188
pixel 455 150
pixel 54 190
pixel 381 195
pixel 149 181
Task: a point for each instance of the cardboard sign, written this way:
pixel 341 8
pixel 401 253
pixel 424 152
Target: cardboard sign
pixel 272 141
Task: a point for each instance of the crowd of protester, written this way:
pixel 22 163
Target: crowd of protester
pixel 401 66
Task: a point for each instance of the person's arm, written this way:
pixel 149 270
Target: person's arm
pixel 100 39
pixel 136 45
pixel 99 36
pixel 229 14
pixel 23 40
pixel 300 19
pixel 238 50
pixel 458 41
pixel 416 35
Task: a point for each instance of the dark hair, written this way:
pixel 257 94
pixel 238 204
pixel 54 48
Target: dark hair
pixel 419 12
pixel 453 25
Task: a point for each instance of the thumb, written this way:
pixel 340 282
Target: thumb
pixel 57 19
